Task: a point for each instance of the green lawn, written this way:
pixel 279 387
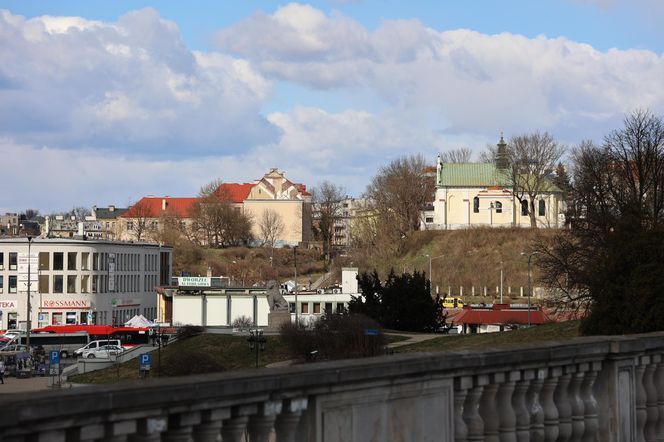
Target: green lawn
pixel 559 331
pixel 209 353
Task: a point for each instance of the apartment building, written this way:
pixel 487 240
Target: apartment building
pixel 77 281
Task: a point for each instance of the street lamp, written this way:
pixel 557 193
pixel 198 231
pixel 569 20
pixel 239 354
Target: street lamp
pixel 530 289
pixel 27 334
pixel 297 322
pixel 256 342
pixel 430 281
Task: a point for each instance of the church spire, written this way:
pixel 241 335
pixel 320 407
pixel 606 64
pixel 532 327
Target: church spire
pixel 501 154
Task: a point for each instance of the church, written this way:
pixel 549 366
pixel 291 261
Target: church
pixel 483 194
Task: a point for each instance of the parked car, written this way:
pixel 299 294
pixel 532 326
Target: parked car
pixel 13 349
pixel 96 344
pixel 104 351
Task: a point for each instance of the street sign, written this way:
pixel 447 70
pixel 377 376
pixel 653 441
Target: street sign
pixel 54 356
pixel 145 360
pixel 371 332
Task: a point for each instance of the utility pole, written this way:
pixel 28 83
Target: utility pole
pixel 297 322
pixel 501 282
pixel 28 325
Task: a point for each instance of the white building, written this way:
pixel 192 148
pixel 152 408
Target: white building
pixel 76 281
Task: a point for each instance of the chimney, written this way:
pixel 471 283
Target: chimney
pixel 164 204
pixel 80 228
pixel 111 208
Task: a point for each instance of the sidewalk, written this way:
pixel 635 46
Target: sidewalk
pixel 412 338
pixel 13 385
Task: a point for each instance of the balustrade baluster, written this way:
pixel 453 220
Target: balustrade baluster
pixel 209 429
pixel 461 386
pixel 562 399
pixel 551 422
pixel 149 429
pixel 652 412
pixel 535 407
pixel 286 423
pixel 118 431
pixel 489 409
pixel 471 409
pixel 180 427
pixel 261 423
pixel 591 423
pixel 659 385
pixel 234 428
pixel 641 411
pixel 576 402
pixel 506 413
pixel 520 405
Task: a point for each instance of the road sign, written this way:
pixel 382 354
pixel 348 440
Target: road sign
pixel 371 332
pixel 54 356
pixel 145 360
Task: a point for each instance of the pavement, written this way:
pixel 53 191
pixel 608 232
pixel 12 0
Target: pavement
pixel 13 385
pixel 412 339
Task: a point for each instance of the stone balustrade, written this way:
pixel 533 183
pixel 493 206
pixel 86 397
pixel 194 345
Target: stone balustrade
pixel 583 390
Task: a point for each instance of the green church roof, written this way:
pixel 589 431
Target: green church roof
pixel 472 174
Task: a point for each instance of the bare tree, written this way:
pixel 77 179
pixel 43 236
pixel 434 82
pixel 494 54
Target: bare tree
pixel 399 192
pixel 460 155
pixel 532 158
pixel 31 214
pixel 488 155
pixel 271 226
pixel 79 213
pixel 328 210
pixel 138 217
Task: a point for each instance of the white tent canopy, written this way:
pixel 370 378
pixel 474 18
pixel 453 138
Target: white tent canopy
pixel 139 321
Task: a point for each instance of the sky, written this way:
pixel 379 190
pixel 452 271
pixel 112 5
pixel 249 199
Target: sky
pixel 106 102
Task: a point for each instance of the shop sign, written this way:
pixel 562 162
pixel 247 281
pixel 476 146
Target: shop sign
pixel 64 303
pixel 8 305
pixel 194 281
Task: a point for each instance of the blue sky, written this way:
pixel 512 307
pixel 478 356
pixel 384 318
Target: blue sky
pixel 105 102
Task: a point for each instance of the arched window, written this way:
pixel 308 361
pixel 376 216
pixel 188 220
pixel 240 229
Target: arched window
pixel 476 205
pixel 542 208
pixel 499 207
pixel 524 208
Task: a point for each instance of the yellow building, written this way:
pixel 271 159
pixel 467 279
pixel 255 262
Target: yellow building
pixel 482 194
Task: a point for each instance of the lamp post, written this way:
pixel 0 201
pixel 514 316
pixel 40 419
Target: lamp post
pixel 297 322
pixel 28 325
pixel 430 281
pixel 256 342
pixel 530 289
pixel 501 282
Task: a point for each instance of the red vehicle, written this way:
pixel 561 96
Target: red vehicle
pixel 128 336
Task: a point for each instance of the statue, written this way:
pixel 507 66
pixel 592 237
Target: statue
pixel 274 297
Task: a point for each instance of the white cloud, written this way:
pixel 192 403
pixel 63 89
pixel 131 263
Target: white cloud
pixel 478 82
pixel 130 86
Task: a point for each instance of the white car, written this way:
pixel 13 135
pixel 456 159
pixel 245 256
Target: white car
pixel 104 351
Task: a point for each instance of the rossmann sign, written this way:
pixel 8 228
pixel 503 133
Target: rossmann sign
pixel 64 303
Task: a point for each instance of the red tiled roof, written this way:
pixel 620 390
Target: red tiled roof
pixel 498 317
pixel 153 207
pixel 236 192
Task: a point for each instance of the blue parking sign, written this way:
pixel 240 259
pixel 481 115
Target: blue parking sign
pixel 145 360
pixel 54 356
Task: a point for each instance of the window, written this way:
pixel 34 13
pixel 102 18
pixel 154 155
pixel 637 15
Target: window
pixel 291 307
pixel 13 284
pixel 428 219
pixel 524 208
pixel 71 318
pixel 476 205
pixel 317 308
pixel 58 261
pixel 57 283
pixel 12 321
pixel 13 260
pixel 95 263
pixel 499 207
pixel 85 261
pixel 95 281
pixel 305 308
pixel 44 261
pixel 56 318
pixel 71 261
pixel 2 261
pixel 71 283
pixel 43 283
pixel 542 208
pixel 328 308
pixel 130 225
pixel 2 284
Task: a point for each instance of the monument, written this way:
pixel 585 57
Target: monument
pixel 279 313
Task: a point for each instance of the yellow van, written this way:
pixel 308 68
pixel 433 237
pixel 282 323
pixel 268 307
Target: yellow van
pixel 453 303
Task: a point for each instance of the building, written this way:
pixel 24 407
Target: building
pixel 78 281
pixel 109 220
pixel 497 317
pixel 273 192
pixel 9 224
pixel 482 194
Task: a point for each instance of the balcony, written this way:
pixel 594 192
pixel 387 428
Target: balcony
pixel 587 389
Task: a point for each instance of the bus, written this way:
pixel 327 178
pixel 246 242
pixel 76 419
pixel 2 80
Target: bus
pixel 65 343
pixel 128 336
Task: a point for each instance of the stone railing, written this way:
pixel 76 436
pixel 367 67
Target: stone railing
pixel 587 389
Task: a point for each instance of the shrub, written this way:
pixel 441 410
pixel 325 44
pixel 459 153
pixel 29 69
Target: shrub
pixel 242 323
pixel 334 336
